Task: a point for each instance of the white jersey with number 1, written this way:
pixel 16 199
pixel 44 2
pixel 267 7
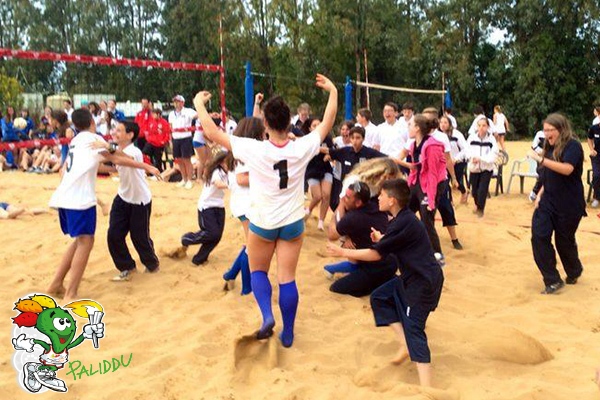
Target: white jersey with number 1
pixel 77 189
pixel 276 177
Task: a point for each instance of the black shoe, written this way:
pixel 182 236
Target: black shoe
pixel 190 239
pixel 198 262
pixel 553 288
pixel 457 244
pixel 571 281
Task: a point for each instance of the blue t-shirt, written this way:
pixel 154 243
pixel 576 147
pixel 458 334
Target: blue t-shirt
pixel 420 274
pixel 563 194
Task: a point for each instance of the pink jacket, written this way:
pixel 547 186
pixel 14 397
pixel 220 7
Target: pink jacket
pixel 433 168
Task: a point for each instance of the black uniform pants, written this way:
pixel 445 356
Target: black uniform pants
pixel 132 219
pixel 212 223
pixel 543 224
pixel 596 175
pixel 155 154
pixel 480 186
pixel 365 279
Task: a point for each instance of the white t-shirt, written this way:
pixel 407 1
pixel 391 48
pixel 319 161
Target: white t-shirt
pixel 338 141
pixel 500 123
pixel 390 138
pixel 277 177
pixel 596 120
pixel 403 124
pixel 181 119
pixel 133 187
pixel 240 195
pixel 211 195
pixel 371 135
pixel 77 189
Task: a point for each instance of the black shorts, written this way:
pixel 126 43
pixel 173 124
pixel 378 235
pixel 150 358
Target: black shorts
pixel 183 148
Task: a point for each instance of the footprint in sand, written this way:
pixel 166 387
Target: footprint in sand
pixel 251 356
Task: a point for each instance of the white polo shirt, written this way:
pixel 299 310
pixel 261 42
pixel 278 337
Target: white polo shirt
pixel 276 177
pixel 371 135
pixel 133 187
pixel 77 189
pixel 181 119
pixel 213 196
pixel 390 138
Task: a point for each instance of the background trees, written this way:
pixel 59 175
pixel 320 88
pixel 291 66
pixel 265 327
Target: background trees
pixel 547 60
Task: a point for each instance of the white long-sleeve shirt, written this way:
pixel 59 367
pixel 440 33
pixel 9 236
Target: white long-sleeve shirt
pixel 485 149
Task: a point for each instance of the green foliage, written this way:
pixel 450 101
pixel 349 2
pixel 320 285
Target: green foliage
pixel 10 92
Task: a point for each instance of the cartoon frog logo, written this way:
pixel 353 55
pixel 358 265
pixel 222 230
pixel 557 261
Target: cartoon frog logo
pixel 42 320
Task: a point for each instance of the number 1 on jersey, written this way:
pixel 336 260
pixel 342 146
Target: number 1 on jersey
pixel 281 166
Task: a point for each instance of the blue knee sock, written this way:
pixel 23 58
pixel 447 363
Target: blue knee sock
pixel 288 303
pixel 343 266
pixel 262 293
pixel 235 267
pixel 245 267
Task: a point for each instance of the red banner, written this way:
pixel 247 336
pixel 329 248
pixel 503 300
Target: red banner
pixel 100 60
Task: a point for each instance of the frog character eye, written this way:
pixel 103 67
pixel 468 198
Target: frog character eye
pixel 61 323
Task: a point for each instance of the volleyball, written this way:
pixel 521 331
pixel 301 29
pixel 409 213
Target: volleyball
pixel 20 123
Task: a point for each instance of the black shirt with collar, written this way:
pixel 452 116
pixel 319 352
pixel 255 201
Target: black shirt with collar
pixel 420 274
pixel 349 158
pixel 357 224
pixel 563 194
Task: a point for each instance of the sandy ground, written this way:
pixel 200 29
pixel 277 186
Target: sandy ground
pixel 493 336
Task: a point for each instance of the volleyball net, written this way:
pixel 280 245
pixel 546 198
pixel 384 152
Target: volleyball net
pixel 127 79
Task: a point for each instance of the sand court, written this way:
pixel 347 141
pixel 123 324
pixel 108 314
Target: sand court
pixel 493 335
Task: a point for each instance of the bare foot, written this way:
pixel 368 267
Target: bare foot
pixel 400 357
pixel 58 291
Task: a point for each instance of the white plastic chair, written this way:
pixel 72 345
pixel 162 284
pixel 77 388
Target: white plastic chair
pixel 525 168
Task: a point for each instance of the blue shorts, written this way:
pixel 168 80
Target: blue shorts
pixel 198 144
pixel 77 222
pixel 4 206
pixel 243 218
pixel 286 232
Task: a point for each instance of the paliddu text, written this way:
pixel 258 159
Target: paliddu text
pixel 77 370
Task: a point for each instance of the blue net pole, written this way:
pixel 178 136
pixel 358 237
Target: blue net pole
pixel 249 90
pixel 348 99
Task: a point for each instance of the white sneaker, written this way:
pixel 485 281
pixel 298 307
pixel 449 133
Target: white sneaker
pixel 181 183
pixel 595 203
pixel 532 196
pixel 188 185
pixel 153 178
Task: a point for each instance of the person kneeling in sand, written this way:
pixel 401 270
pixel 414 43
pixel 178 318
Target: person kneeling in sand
pixel 355 217
pixel 10 211
pixel 404 302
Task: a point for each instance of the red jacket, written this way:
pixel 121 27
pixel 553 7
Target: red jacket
pixel 433 169
pixel 158 132
pixel 143 118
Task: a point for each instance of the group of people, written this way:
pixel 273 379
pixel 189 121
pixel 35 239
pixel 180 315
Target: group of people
pixel 375 179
